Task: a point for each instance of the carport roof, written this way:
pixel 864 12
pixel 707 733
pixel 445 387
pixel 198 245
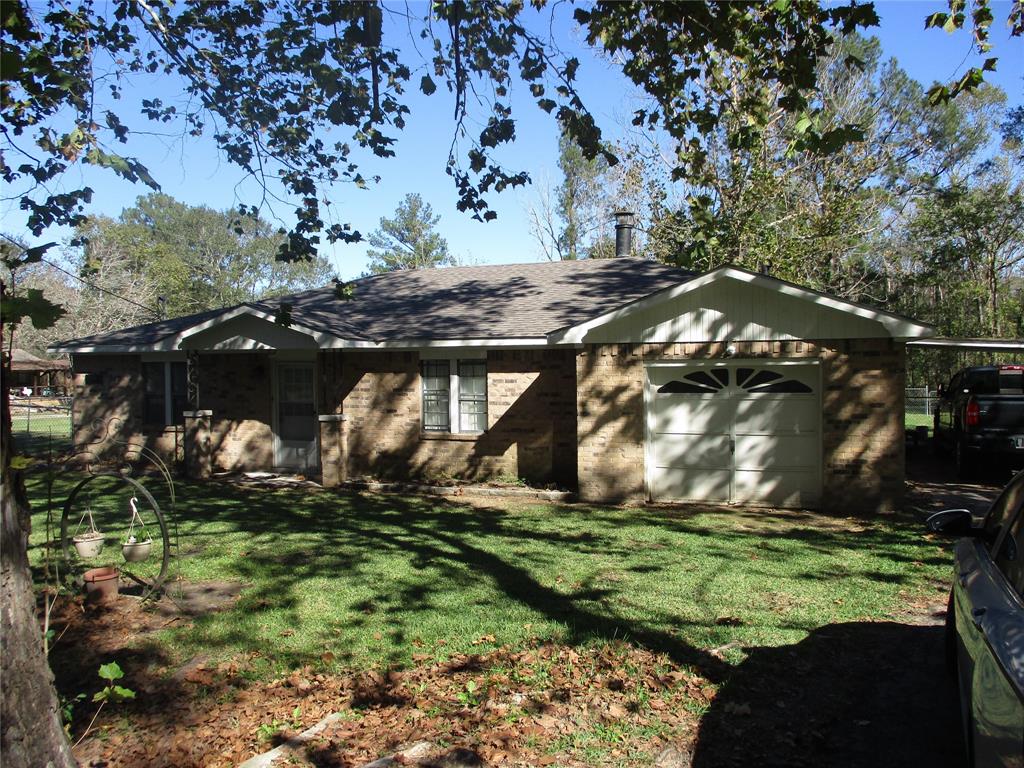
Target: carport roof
pixel 968 344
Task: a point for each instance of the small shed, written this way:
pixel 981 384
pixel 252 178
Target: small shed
pixel 41 376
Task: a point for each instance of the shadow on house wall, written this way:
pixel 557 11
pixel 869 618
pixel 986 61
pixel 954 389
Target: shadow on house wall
pixel 531 420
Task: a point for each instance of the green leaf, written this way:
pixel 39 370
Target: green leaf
pixel 41 311
pixel 936 20
pixel 803 125
pixel 118 693
pixel 852 61
pixel 938 94
pixel 111 671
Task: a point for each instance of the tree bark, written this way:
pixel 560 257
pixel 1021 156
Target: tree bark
pixel 32 734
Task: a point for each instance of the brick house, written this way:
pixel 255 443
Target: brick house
pixel 626 380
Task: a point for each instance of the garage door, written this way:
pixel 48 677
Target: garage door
pixel 742 432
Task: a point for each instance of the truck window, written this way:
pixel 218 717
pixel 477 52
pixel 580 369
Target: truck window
pixel 982 382
pixel 1011 380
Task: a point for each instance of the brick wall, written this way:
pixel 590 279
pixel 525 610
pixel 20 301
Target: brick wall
pixel 862 420
pixel 531 419
pixel 108 407
pixel 107 410
pixel 863 425
pixel 554 415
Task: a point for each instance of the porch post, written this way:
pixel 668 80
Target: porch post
pixel 198 459
pixel 333 449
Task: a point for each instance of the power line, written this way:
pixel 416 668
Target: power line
pixel 156 313
pixel 100 288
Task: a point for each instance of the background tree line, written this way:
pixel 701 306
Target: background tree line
pixel 160 258
pixel 919 210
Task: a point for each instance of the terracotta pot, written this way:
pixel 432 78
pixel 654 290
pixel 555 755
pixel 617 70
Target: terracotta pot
pixel 101 584
pixel 135 551
pixel 88 544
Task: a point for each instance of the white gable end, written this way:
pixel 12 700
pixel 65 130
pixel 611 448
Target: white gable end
pixel 728 309
pixel 732 304
pixel 248 332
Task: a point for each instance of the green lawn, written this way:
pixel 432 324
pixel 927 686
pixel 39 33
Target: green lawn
pixel 376 579
pixel 41 432
pixel 918 420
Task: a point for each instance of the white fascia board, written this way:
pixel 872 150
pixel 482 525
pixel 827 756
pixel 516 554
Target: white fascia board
pixel 410 344
pixel 898 327
pixel 164 345
pixel 327 341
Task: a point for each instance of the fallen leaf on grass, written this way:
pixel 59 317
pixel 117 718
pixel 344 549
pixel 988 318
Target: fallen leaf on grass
pixel 199 676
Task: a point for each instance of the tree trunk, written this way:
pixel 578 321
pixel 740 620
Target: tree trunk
pixel 32 733
pixel 993 298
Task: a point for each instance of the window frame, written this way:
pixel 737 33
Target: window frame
pixel 171 417
pixel 455 394
pixel 424 393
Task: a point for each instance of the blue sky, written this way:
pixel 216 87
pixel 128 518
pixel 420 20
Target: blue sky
pixel 192 172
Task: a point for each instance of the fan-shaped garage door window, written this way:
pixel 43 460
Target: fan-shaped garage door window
pixel 757 380
pixel 697 383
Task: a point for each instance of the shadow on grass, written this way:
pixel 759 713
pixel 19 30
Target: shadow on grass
pixel 852 695
pixel 292 539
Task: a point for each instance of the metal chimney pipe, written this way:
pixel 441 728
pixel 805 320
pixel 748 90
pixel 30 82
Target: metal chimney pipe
pixel 623 234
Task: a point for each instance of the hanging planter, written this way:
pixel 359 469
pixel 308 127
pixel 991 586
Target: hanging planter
pixel 136 547
pixel 89 543
pixel 133 551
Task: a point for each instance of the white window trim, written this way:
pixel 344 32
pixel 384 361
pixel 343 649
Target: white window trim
pixel 454 414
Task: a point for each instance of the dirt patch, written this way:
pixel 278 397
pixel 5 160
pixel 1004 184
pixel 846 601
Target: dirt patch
pixel 197 598
pixel 605 705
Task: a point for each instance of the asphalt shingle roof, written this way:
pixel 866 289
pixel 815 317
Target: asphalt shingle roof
pixel 477 302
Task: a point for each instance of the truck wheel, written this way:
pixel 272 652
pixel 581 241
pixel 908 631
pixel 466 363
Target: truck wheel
pixel 965 468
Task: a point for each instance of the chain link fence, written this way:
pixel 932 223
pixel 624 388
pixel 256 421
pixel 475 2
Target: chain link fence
pixel 40 425
pixel 919 408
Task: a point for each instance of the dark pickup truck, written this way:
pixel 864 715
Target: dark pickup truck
pixel 980 417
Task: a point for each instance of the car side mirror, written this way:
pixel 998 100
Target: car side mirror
pixel 953 522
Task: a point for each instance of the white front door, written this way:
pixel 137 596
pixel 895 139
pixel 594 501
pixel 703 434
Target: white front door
pixel 296 423
pixel 742 432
